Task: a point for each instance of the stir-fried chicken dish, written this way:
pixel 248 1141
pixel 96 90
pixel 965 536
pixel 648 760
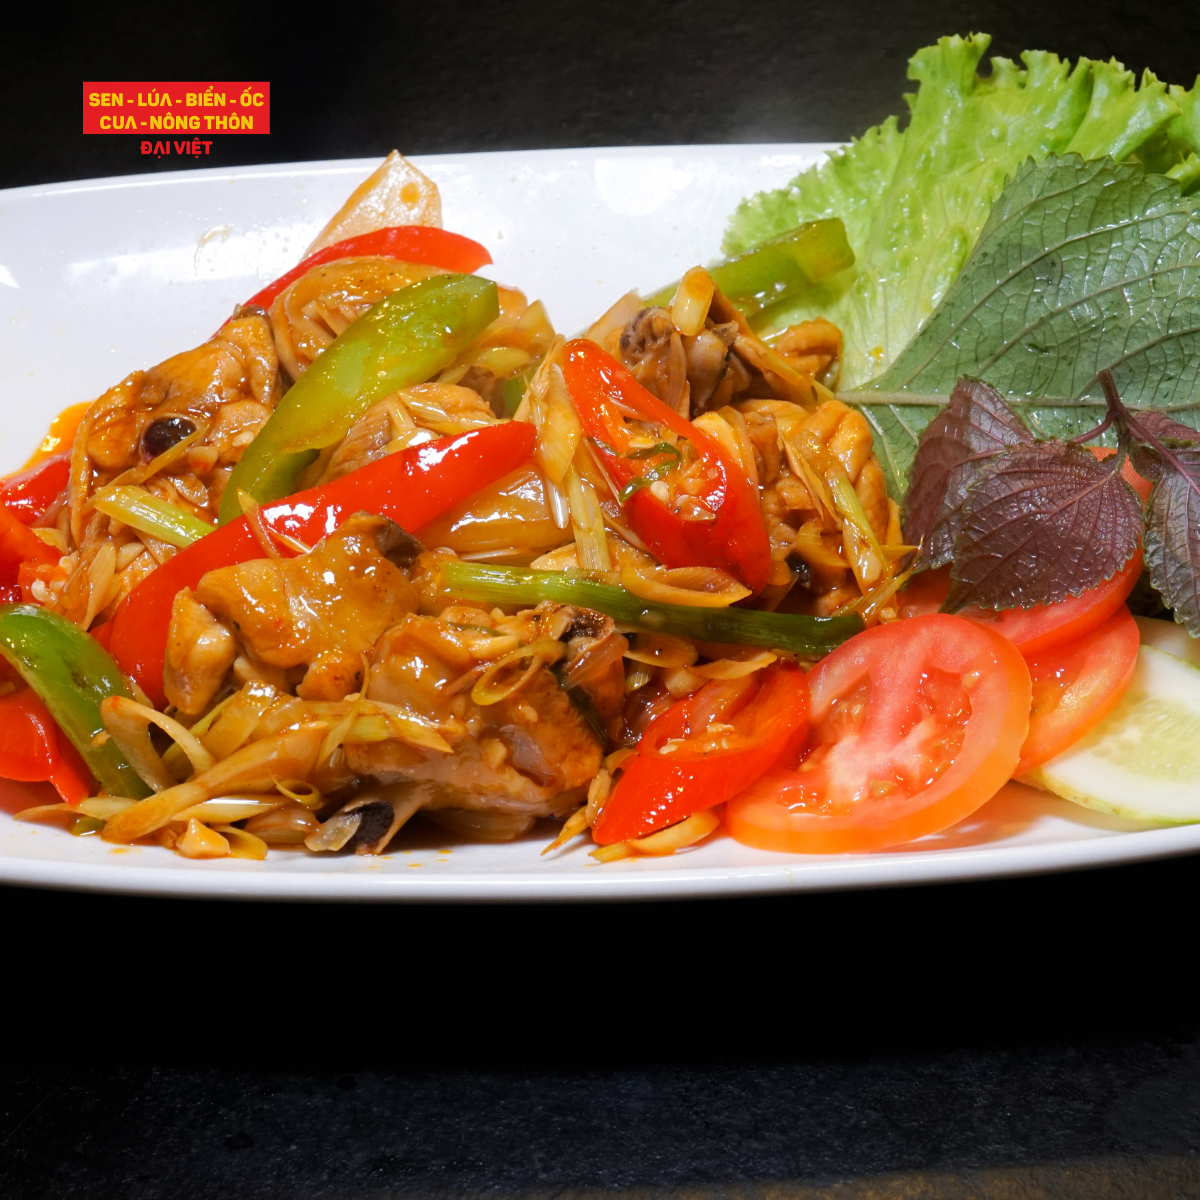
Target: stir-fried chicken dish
pixel 390 557
pixel 390 547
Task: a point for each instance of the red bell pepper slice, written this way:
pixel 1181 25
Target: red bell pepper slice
pixel 19 545
pixel 735 540
pixel 662 784
pixel 28 493
pixel 411 487
pixel 406 243
pixel 33 749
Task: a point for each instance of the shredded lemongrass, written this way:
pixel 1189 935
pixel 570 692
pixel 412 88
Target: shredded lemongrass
pixel 637 677
pixel 560 506
pixel 559 431
pixel 745 447
pixel 252 511
pixel 301 791
pixel 735 668
pixel 414 730
pixel 487 690
pixel 674 587
pixel 421 400
pixel 850 508
pixel 675 837
pixel 227 809
pixel 574 825
pixel 100 572
pixel 337 735
pixel 817 489
pixel 612 853
pixel 49 812
pixel 811 547
pixel 869 606
pixel 501 360
pixel 122 714
pixel 129 725
pixel 228 726
pixel 722 432
pixel 253 768
pixel 151 515
pixel 662 650
pixel 587 521
pixel 616 318
pixel 616 760
pixel 243 844
pixel 103 807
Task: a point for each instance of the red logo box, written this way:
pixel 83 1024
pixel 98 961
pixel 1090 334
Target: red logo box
pixel 163 110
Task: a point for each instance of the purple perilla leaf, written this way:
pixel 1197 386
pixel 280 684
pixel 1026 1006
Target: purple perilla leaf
pixel 1042 522
pixel 954 449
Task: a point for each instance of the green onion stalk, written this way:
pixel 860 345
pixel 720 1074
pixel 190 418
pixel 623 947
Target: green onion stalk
pixel 807 637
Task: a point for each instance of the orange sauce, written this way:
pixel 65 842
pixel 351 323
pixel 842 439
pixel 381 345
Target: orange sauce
pixel 61 435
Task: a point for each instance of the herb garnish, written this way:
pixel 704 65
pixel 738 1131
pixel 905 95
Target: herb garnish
pixel 1081 266
pixel 1028 522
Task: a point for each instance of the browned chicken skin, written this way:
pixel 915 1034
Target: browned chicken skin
pixel 524 746
pixel 146 413
pixel 200 650
pixel 321 611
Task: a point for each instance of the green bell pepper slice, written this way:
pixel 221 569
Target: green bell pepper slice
pixel 71 673
pixel 406 338
pixel 779 268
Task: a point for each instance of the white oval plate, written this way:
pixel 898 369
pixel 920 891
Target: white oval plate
pixel 102 277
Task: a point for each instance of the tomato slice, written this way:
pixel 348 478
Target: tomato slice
pixel 704 749
pixel 914 725
pixel 1076 685
pixel 1031 630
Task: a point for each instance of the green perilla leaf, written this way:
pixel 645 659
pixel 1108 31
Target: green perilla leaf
pixel 1082 266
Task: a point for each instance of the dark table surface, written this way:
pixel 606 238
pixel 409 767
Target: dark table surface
pixel 1036 1037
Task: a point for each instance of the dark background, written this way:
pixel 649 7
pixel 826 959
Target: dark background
pixel 974 1035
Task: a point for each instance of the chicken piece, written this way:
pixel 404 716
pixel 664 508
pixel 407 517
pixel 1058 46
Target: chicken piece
pixel 652 349
pixel 327 299
pixel 235 428
pixel 365 441
pixel 322 610
pixel 519 744
pixel 595 665
pixel 150 411
pixel 200 651
pixel 707 356
pixel 508 521
pixel 407 418
pixel 812 346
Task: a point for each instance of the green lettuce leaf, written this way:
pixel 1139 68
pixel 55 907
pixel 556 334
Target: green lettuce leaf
pixel 1082 266
pixel 914 200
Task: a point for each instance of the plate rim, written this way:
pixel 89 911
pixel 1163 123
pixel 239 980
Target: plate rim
pixel 239 880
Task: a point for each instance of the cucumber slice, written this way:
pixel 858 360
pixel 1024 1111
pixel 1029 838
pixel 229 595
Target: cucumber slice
pixel 1169 638
pixel 1143 760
